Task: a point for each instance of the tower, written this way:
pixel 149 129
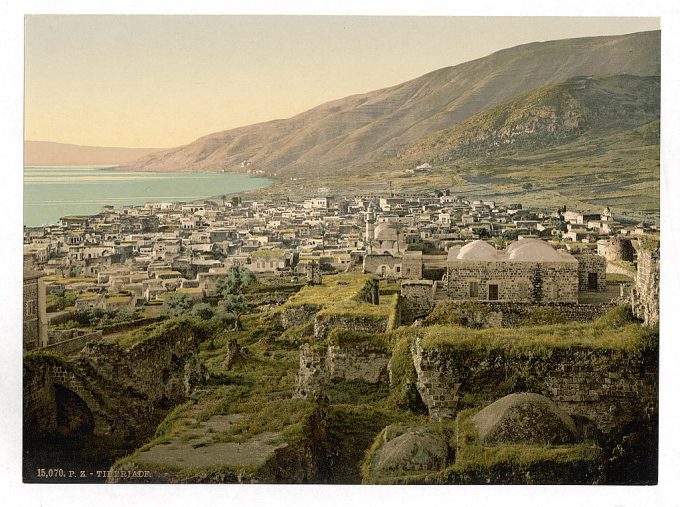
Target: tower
pixel 370 227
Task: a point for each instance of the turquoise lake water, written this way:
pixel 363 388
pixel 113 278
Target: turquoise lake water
pixel 53 192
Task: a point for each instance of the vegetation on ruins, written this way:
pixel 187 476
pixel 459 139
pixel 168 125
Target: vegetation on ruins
pixel 615 330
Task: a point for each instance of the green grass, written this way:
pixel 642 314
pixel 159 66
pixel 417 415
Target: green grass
pixel 347 338
pixel 342 295
pixel 614 331
pixel 472 454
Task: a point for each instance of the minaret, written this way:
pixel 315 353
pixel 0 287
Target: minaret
pixel 370 227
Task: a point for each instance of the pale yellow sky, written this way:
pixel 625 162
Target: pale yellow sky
pixel 161 81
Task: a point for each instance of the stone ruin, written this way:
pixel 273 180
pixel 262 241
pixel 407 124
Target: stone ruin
pixel 524 418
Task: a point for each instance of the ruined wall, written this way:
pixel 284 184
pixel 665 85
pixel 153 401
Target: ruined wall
pixel 325 323
pixel 608 387
pixel 127 391
pixel 70 341
pixel 361 361
pixel 645 294
pixel 591 264
pixel 502 314
pixel 616 249
pixel 417 299
pixel 517 281
pixel 296 315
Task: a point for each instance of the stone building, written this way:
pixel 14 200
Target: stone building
pixel 407 265
pixel 592 272
pixel 529 270
pixel 35 313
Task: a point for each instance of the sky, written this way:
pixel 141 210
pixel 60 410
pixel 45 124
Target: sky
pixel 163 81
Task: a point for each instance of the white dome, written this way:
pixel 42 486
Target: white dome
pixel 385 232
pixel 530 249
pixel 478 251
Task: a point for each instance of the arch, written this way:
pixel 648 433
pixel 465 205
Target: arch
pixel 66 380
pixel 73 416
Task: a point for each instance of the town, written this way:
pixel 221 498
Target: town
pixel 377 291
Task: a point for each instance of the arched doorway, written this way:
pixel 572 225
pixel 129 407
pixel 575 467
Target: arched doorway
pixel 73 415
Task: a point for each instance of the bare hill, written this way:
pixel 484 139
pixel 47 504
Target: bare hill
pixel 47 153
pixel 363 129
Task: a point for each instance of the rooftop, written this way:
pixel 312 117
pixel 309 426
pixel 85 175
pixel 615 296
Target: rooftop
pixel 524 250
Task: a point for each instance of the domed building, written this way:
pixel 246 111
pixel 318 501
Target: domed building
pixel 529 270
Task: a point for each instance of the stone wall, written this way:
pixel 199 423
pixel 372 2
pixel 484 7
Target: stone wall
pixel 501 314
pixel 325 323
pixel 417 299
pixel 71 343
pixel 407 265
pixel 645 294
pixel 296 315
pixel 127 391
pixel 616 249
pixel 361 361
pixel 517 281
pixel 591 264
pixel 608 387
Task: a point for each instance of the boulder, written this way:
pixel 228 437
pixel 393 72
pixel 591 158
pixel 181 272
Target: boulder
pixel 414 449
pixel 524 418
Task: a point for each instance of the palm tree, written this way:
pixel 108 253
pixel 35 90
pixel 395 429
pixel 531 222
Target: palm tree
pixel 323 230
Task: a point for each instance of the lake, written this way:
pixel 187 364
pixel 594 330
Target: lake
pixel 53 192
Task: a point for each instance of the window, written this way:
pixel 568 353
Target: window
pixel 493 292
pixel 398 269
pixel 474 289
pixel 592 281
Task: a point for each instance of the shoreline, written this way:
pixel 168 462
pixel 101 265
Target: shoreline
pixel 270 181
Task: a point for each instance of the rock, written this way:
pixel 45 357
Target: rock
pixel 524 418
pixel 415 449
pixel 235 354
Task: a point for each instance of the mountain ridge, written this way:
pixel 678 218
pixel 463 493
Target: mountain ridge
pixel 367 128
pixel 50 153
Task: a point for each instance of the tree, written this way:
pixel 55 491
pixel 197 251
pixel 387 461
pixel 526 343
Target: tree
pixel 203 311
pixel 177 304
pixel 323 230
pixel 234 282
pixel 500 242
pixel 398 227
pixel 237 305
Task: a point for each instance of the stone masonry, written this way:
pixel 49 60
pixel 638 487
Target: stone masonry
pixel 361 362
pixel 608 387
pixel 645 294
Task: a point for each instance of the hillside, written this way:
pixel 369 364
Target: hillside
pixel 363 129
pixel 47 153
pixel 549 116
pixel 585 142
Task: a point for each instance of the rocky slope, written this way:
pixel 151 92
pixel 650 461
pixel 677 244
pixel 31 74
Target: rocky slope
pixel 549 116
pixel 362 129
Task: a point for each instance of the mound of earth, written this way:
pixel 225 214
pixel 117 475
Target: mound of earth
pixel 524 418
pixel 415 449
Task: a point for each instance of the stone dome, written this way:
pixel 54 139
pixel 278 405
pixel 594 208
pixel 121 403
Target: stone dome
pixel 530 249
pixel 385 232
pixel 478 250
pixel 524 418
